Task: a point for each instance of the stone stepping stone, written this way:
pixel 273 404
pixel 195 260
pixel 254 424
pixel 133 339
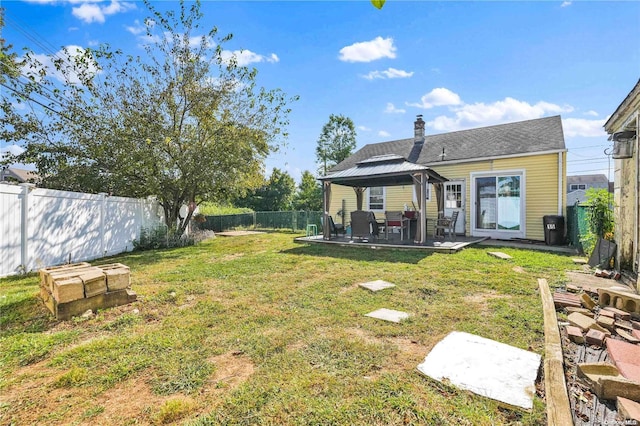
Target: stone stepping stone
pixel 388 315
pixel 499 255
pixel 376 285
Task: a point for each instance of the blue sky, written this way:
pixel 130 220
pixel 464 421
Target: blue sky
pixel 460 64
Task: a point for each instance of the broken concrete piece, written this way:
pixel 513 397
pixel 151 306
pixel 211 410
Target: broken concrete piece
pixel 583 311
pixel 628 409
pixel 388 315
pixel 68 290
pixel 595 337
pixel 376 285
pixel 587 301
pixel 606 381
pixel 578 261
pixel 581 321
pixel 635 325
pixel 499 255
pixel 485 367
pixel 627 336
pixel 606 322
pixel 573 288
pixel 574 334
pixel 585 323
pixel 626 357
pixel 618 313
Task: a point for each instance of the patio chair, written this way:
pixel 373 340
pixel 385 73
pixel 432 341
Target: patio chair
pixel 336 229
pixel 375 225
pixel 446 224
pixel 363 225
pixel 395 220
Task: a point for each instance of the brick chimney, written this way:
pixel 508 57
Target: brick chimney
pixel 418 127
pixel 418 139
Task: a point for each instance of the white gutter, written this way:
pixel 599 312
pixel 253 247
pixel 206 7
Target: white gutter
pixel 496 157
pixel 560 183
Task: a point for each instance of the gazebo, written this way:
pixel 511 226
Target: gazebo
pixel 385 170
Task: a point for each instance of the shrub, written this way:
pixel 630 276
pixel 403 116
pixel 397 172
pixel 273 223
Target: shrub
pixel 599 218
pixel 160 237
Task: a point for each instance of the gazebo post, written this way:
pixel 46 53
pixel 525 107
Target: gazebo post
pixel 326 195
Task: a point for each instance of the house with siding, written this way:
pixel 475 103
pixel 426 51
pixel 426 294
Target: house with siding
pixel 502 179
pixel 577 186
pixel 623 126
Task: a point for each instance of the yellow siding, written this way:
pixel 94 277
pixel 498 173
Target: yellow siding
pixel 541 189
pixel 541 186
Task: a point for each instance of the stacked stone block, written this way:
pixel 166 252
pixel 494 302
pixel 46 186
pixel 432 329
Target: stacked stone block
pixel 69 290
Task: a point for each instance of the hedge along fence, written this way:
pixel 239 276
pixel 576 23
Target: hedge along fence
pixel 293 220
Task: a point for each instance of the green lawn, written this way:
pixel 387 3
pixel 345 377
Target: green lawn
pixel 259 330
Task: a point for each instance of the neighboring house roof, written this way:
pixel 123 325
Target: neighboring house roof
pixel 20 175
pixel 587 179
pixel 631 102
pixel 511 139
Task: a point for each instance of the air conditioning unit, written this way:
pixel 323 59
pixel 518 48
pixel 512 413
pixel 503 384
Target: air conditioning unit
pixel 623 144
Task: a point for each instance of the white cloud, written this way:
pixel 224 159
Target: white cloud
pixel 11 149
pixel 368 51
pixel 565 4
pixel 391 109
pixel 591 113
pixel 389 73
pixel 383 134
pixel 92 12
pixel 93 43
pixel 69 74
pixel 438 97
pixel 583 127
pixel 246 57
pixel 137 28
pixel 364 128
pixel 504 111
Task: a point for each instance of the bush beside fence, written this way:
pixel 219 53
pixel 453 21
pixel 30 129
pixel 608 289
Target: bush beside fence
pixel 293 220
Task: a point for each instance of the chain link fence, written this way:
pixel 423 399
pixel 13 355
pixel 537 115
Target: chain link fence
pixel 292 220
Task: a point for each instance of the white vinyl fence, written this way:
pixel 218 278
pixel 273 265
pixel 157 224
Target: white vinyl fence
pixel 43 227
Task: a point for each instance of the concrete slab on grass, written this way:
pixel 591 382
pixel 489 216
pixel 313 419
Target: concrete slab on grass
pixel 376 285
pixel 388 315
pixel 499 255
pixel 486 367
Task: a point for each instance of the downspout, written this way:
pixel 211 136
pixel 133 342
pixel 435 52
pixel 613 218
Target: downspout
pixel 560 183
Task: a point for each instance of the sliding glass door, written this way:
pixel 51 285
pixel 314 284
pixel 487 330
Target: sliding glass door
pixel 499 205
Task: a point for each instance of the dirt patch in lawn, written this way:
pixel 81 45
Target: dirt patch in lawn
pixel 232 369
pixel 481 300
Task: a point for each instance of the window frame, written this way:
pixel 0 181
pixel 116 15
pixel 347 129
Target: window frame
pixel 384 199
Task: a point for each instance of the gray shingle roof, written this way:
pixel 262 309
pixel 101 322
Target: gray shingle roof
pixel 523 137
pixel 601 178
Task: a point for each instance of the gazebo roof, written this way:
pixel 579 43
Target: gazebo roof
pixel 382 170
